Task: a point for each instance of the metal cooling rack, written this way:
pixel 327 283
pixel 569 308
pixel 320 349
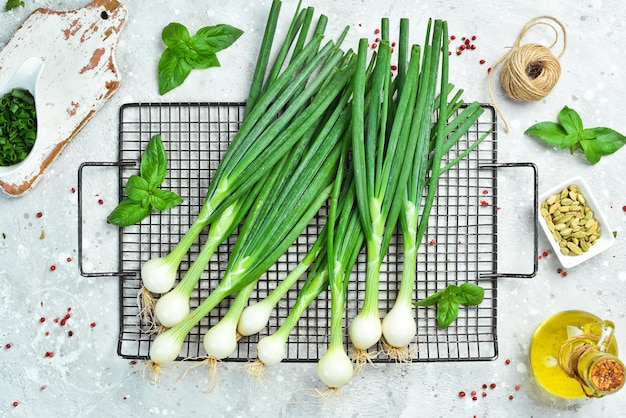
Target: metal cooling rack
pixel 460 244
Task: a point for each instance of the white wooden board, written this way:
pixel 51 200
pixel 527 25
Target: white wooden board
pixel 78 76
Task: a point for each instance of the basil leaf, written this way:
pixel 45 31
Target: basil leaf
pixel 600 142
pixel 571 121
pixel 173 70
pixel 430 300
pixel 12 4
pixel 154 162
pixel 604 141
pixel 447 312
pixel 175 33
pixel 137 188
pixel 472 294
pixel 164 199
pixel 129 212
pixel 551 132
pixel 202 61
pixel 215 38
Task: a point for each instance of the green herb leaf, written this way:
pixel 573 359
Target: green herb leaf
pixel 129 212
pixel 571 121
pixel 164 199
pixel 154 162
pixel 173 70
pixel 185 52
pixel 215 38
pixel 12 4
pixel 447 311
pixel 472 294
pixel 594 142
pixel 448 301
pixel 430 300
pixel 175 34
pixel 551 132
pixel 142 191
pixel 137 188
pixel 605 141
pixel 201 61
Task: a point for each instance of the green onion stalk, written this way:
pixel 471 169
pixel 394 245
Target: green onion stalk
pixel 259 144
pixel 173 306
pixel 434 142
pixel 280 219
pixel 383 152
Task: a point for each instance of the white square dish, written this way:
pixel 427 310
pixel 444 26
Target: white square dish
pixel 606 238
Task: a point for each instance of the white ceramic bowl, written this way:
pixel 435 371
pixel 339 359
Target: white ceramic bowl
pixel 606 233
pixel 25 77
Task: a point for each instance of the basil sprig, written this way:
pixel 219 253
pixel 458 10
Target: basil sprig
pixel 185 52
pixel 569 132
pixel 448 301
pixel 142 191
pixel 12 4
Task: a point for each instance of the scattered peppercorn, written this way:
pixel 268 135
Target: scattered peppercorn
pixel 93 324
pixel 39 214
pixel 53 267
pixel 15 404
pixel 42 319
pixel 70 333
pixel 481 62
pixel 101 202
pixel 492 386
pixel 510 397
pixel 7 346
pixel 507 361
pixel 461 394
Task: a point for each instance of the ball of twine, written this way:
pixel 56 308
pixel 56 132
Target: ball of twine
pixel 529 71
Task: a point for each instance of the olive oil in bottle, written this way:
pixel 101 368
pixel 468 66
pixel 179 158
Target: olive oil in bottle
pixel 573 355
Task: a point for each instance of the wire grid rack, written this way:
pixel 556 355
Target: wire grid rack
pixel 460 244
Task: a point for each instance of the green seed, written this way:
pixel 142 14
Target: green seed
pixel 574 248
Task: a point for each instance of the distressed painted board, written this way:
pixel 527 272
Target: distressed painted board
pixel 78 76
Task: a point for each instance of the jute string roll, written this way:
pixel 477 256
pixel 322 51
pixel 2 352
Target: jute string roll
pixel 529 71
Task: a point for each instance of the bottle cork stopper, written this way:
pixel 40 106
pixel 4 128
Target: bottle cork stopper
pixel 608 375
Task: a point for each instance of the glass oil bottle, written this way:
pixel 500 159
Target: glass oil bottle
pixel 573 355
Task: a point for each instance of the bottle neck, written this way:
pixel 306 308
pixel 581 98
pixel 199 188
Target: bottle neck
pixel 600 373
pixel 585 358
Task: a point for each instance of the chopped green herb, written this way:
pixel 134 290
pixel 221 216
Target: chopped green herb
pixel 185 52
pixel 18 126
pixel 142 190
pixel 569 132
